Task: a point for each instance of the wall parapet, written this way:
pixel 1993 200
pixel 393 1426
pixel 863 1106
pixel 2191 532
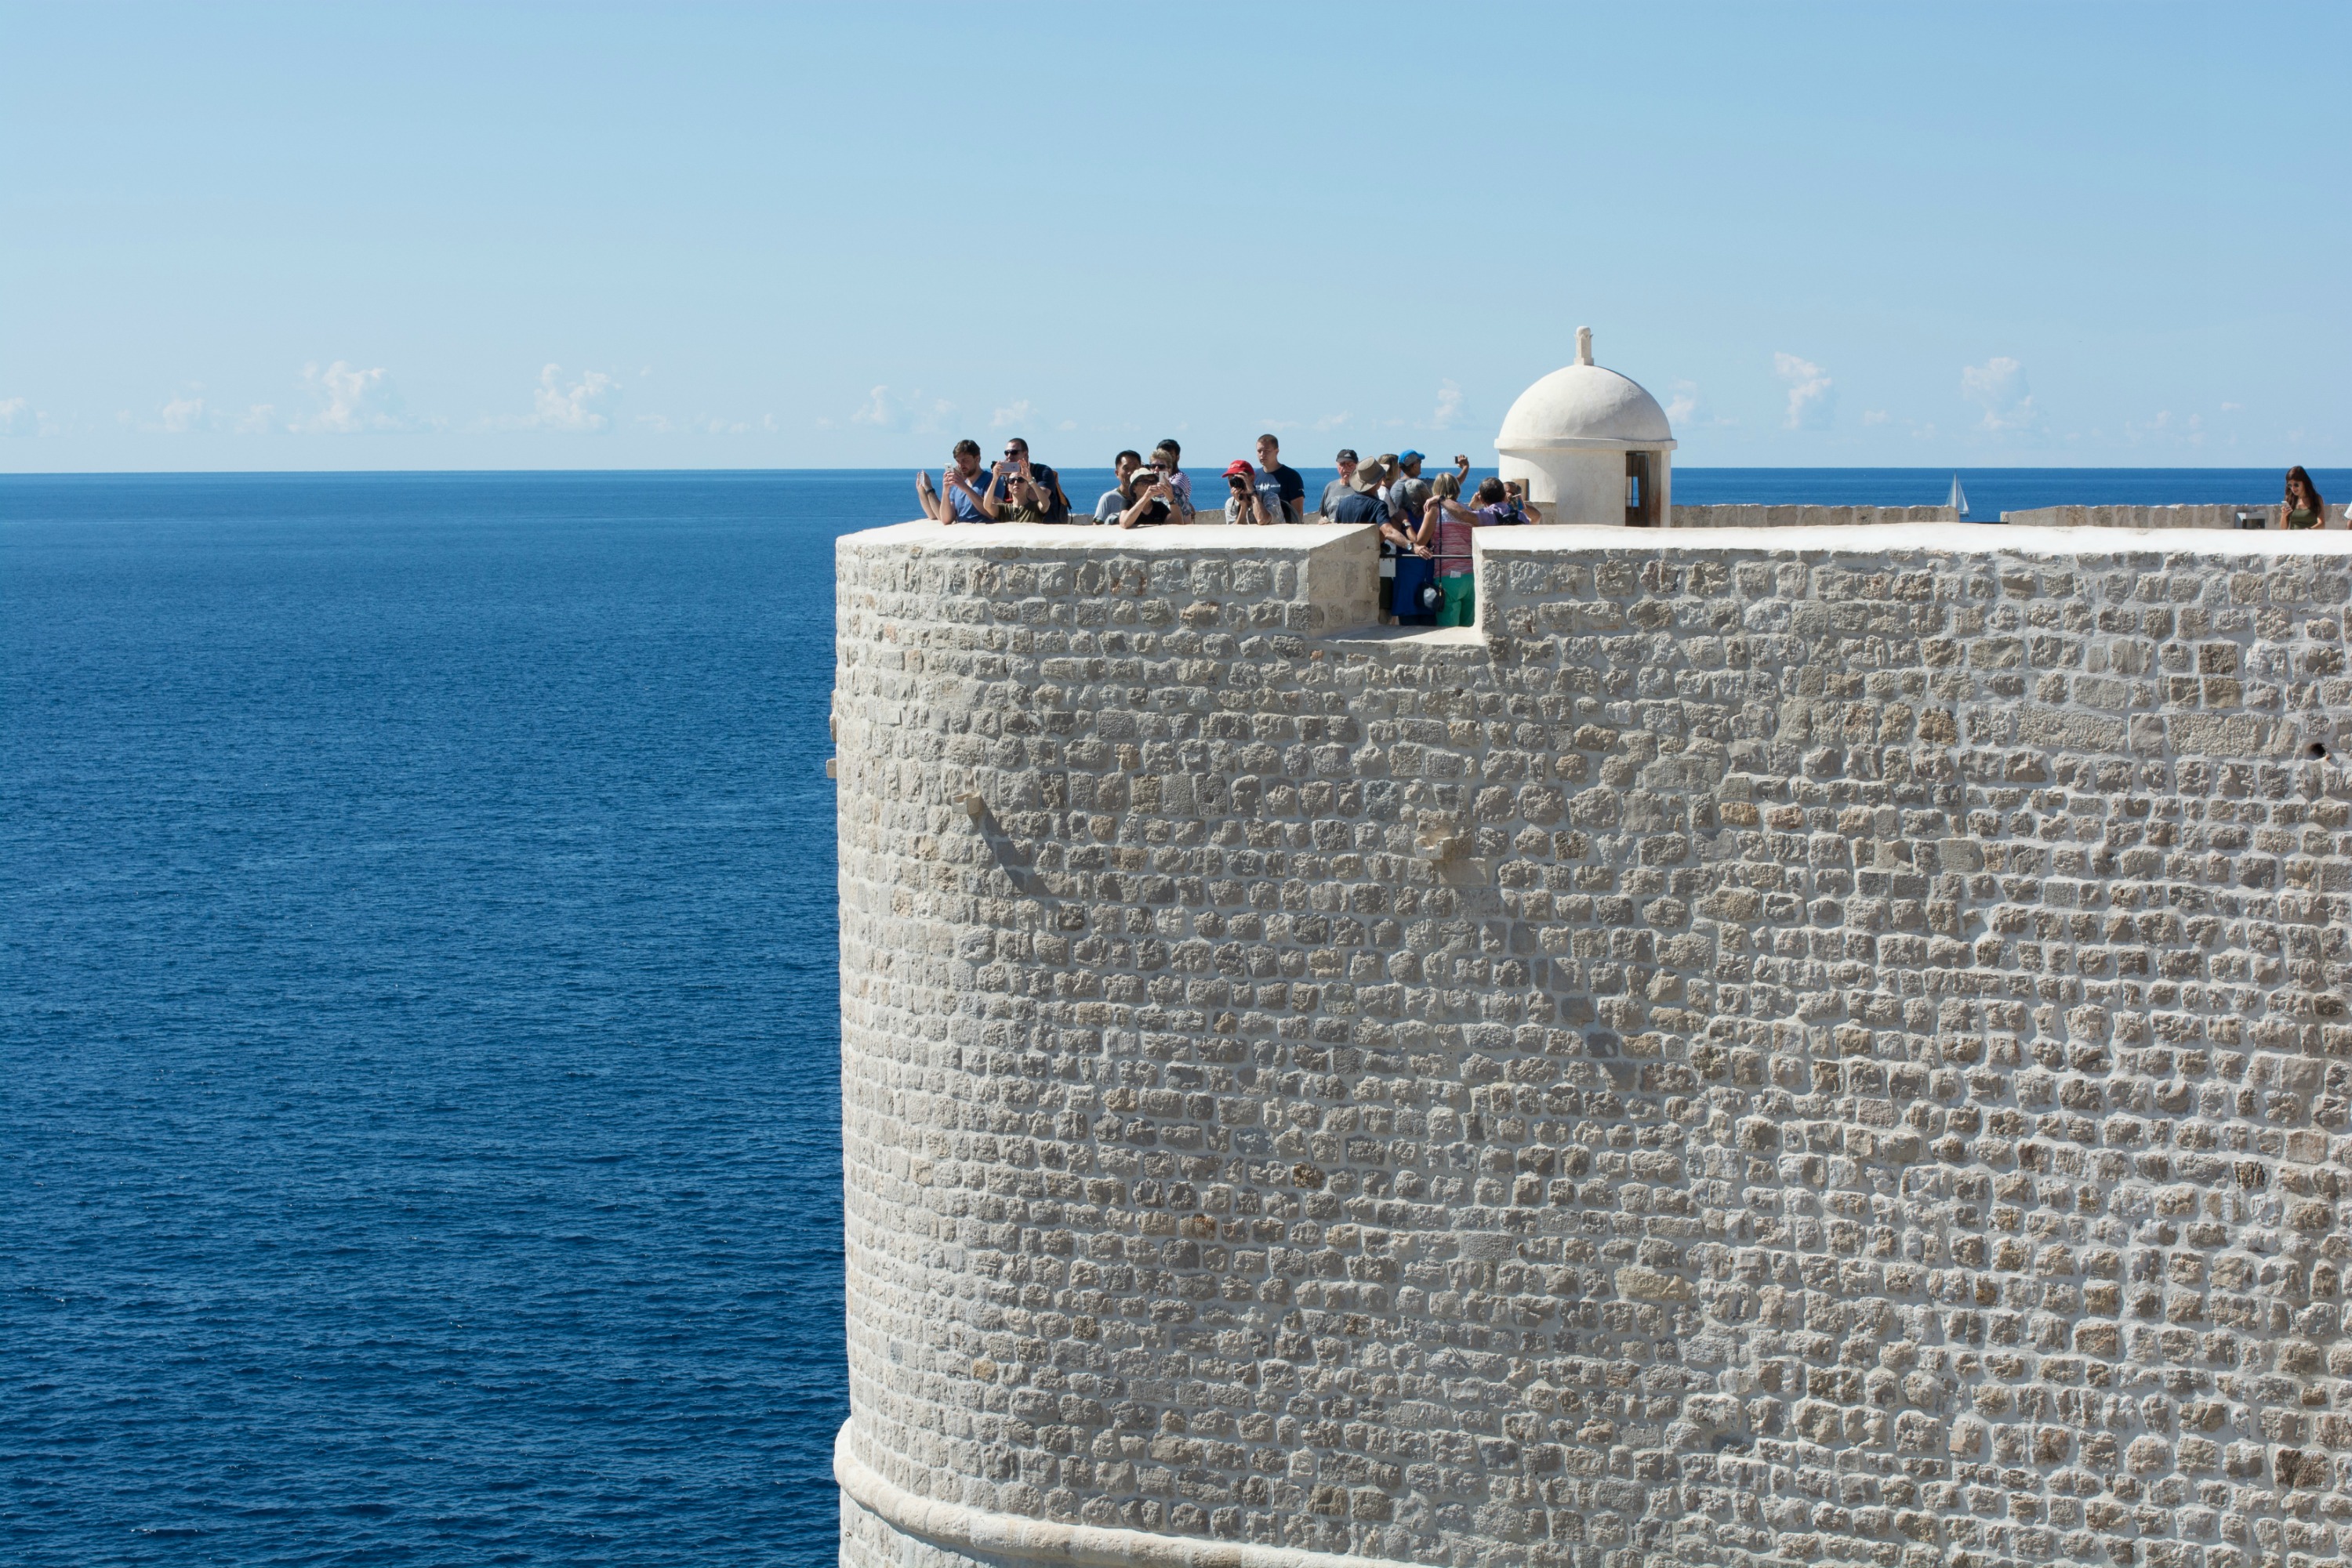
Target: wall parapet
pixel 1828 1044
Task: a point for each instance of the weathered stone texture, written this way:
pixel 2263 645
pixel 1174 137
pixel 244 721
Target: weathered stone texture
pixel 1784 1054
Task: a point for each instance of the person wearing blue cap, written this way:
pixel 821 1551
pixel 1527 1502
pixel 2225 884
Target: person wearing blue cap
pixel 1409 492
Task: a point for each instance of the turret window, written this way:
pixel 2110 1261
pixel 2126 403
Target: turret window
pixel 1640 499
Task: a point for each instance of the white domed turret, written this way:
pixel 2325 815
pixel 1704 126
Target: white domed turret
pixel 1592 446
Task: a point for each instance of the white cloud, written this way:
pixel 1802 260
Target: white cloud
pixel 1997 386
pixel 1019 413
pixel 558 406
pixel 181 415
pixel 16 416
pixel 711 423
pixel 1332 421
pixel 257 420
pixel 2166 431
pixel 1687 409
pixel 1449 406
pixel 912 412
pixel 350 400
pixel 1812 395
pixel 573 404
pixel 1876 416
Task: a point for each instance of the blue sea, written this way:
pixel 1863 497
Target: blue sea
pixel 418 1092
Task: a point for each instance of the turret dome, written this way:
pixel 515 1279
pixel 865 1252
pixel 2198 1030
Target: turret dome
pixel 1583 404
pixel 1591 445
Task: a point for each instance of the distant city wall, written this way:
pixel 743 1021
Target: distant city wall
pixel 1746 516
pixel 2137 517
pixel 2155 516
pixel 1822 1047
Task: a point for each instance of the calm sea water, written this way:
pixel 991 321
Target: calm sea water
pixel 418 1097
pixel 418 1107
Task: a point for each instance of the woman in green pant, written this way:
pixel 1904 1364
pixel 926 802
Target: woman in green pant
pixel 1445 529
pixel 1446 525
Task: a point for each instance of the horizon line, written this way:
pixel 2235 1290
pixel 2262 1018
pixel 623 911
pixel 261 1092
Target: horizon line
pixel 897 467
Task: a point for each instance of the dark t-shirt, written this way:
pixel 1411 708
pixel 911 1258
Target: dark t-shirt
pixel 1114 504
pixel 1294 490
pixel 1357 507
pixel 1057 505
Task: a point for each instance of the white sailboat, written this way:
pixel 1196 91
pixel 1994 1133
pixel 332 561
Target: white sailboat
pixel 1959 501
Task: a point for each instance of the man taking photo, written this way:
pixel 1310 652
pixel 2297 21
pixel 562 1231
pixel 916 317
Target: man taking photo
pixel 1031 492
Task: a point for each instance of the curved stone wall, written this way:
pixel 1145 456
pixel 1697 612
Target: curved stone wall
pixel 1826 1046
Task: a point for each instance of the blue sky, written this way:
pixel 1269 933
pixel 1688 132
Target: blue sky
pixel 413 236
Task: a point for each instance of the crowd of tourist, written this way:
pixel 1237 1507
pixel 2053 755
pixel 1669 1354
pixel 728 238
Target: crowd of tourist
pixel 1425 523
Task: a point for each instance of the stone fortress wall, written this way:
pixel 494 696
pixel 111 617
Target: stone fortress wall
pixel 1826 1046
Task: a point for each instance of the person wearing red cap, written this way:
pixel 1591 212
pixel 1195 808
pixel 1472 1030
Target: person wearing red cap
pixel 1255 497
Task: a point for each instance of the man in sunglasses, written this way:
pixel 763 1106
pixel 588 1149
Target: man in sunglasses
pixel 1031 492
